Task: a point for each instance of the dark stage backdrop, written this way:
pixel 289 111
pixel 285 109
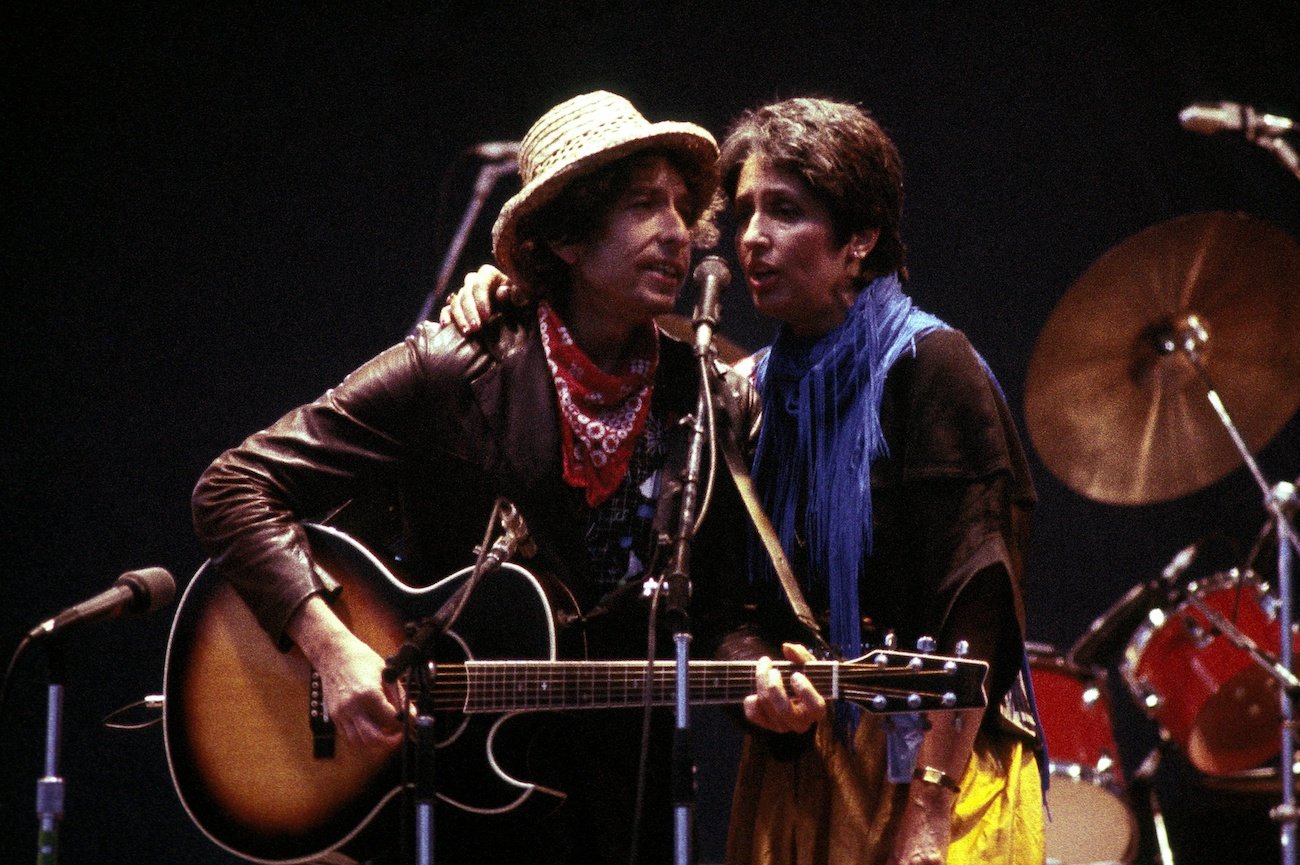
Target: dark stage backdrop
pixel 213 212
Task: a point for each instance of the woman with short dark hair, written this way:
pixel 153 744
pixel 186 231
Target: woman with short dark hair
pixel 894 476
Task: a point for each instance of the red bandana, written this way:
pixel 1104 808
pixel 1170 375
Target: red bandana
pixel 603 415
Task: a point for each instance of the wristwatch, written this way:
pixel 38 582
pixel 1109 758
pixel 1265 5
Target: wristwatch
pixel 931 775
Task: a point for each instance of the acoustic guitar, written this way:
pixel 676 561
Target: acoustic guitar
pixel 257 766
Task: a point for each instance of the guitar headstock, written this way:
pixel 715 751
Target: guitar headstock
pixel 886 681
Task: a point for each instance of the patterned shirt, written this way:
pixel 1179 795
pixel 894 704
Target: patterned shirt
pixel 620 532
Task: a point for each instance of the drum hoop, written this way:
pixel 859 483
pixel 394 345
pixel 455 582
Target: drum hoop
pixel 1133 652
pixel 1049 657
pixel 1106 779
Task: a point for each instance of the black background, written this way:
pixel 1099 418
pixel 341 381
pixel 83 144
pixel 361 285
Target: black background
pixel 213 212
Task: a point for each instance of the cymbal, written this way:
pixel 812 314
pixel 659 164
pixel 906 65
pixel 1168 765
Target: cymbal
pixel 680 327
pixel 1114 402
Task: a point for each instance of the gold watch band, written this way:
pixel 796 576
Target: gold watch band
pixel 931 775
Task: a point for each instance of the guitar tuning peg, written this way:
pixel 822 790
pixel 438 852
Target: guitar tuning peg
pixel 926 644
pixel 914 701
pixel 949 699
pixel 950 667
pixel 962 649
pixel 879 702
pixel 891 640
pixel 915 663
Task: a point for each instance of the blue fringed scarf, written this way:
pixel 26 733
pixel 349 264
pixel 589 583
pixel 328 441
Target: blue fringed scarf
pixel 821 433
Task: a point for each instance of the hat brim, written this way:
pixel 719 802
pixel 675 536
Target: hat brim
pixel 693 142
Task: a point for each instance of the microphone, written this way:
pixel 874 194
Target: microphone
pixel 496 151
pixel 711 278
pixel 1207 118
pixel 142 591
pixel 1178 564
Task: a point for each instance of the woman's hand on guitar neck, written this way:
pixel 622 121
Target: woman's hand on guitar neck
pixel 774 708
pixel 364 708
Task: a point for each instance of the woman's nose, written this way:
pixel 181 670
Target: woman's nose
pixel 751 233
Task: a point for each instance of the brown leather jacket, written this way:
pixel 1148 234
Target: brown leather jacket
pixel 413 448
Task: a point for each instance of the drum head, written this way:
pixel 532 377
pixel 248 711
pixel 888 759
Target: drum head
pixel 1087 824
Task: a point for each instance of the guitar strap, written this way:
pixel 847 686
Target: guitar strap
pixel 737 468
pixel 767 534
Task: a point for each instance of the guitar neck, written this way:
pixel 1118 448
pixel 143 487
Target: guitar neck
pixel 507 686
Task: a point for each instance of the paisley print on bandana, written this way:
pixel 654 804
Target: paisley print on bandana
pixel 603 414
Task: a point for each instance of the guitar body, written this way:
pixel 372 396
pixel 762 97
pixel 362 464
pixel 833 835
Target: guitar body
pixel 237 714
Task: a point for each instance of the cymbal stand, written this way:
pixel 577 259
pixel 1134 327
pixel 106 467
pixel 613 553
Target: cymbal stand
pixel 1188 336
pixel 1145 778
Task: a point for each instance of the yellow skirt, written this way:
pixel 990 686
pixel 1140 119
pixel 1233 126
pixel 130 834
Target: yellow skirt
pixel 830 807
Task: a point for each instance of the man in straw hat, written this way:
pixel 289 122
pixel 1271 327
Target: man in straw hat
pixel 569 406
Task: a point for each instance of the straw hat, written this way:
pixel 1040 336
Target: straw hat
pixel 575 138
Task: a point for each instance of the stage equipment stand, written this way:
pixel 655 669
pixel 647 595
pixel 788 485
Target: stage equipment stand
pixel 1188 336
pixel 488 176
pixel 712 275
pixel 1145 777
pixel 50 789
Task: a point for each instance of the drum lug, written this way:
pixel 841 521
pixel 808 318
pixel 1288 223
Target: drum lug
pixel 1201 636
pixel 1272 607
pixel 1147 697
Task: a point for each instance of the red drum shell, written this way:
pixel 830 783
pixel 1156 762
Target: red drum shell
pixel 1090 820
pixel 1207 694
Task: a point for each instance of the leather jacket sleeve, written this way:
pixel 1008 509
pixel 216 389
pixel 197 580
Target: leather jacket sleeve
pixel 248 504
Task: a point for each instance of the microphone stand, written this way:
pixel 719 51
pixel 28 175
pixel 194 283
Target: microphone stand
pixel 1189 336
pixel 678 586
pixel 49 789
pixel 416 660
pixel 488 175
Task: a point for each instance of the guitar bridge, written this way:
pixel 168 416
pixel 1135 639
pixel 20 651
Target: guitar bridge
pixel 322 728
